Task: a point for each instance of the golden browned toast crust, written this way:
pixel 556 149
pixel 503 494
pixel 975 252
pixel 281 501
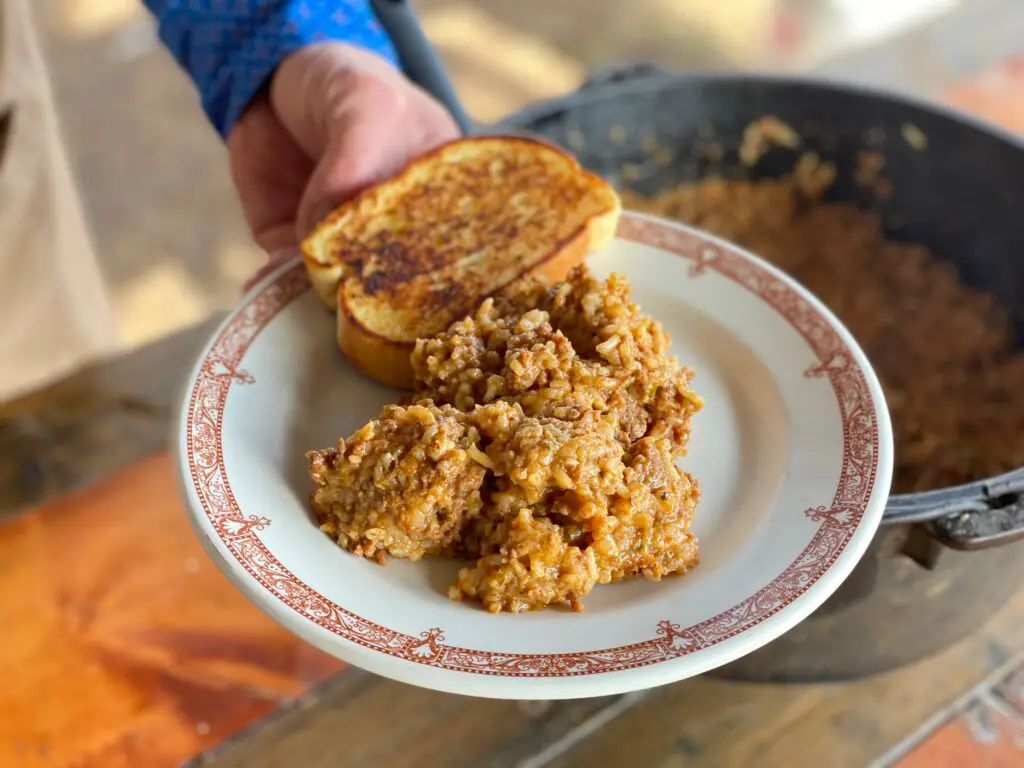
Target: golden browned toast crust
pixel 388 360
pixel 406 258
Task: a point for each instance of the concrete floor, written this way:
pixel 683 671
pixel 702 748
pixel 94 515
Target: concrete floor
pixel 154 178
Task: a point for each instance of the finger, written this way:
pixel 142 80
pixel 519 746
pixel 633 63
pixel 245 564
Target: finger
pixel 270 172
pixel 370 143
pixel 312 84
pixel 349 164
pixel 277 237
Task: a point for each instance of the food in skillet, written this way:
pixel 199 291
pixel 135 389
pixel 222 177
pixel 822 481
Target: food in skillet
pixel 945 352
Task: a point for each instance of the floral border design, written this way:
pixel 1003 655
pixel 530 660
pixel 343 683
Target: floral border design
pixel 220 370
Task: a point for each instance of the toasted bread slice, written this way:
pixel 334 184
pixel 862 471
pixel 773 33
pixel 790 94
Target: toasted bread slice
pixel 408 257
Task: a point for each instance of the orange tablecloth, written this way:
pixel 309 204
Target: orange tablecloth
pixel 124 645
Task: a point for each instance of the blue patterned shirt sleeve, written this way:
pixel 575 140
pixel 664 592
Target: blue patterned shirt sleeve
pixel 230 48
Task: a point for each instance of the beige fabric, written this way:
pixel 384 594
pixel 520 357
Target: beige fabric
pixel 54 311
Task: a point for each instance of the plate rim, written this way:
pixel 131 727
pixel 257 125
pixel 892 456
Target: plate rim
pixel 235 544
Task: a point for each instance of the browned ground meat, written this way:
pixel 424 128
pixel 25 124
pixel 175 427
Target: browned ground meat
pixel 404 484
pixel 581 346
pixel 541 443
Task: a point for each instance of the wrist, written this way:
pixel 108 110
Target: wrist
pixel 231 50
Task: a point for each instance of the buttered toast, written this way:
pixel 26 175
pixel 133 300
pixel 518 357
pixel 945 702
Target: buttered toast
pixel 408 257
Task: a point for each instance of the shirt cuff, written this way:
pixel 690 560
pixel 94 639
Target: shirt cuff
pixel 231 57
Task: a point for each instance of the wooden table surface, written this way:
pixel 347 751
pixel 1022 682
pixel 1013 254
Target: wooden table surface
pixel 122 645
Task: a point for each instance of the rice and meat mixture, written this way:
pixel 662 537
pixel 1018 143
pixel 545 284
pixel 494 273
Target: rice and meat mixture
pixel 541 443
pixel 402 484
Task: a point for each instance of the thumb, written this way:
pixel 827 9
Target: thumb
pixel 379 130
pixel 321 93
pixel 355 158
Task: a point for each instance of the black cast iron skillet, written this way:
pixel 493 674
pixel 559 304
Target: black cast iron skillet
pixel 961 196
pixel 925 581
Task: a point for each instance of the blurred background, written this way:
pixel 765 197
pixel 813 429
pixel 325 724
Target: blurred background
pixel 153 175
pixel 126 647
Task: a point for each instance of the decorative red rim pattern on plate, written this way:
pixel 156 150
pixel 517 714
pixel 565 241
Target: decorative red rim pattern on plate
pixel 220 370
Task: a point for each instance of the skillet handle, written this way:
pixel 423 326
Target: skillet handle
pixel 973 530
pixel 420 61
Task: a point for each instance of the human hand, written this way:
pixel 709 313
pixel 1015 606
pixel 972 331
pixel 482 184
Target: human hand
pixel 335 120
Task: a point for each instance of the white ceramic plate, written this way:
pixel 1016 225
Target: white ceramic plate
pixel 793 451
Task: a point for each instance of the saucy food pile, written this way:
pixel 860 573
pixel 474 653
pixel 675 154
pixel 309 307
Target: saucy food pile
pixel 943 351
pixel 540 442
